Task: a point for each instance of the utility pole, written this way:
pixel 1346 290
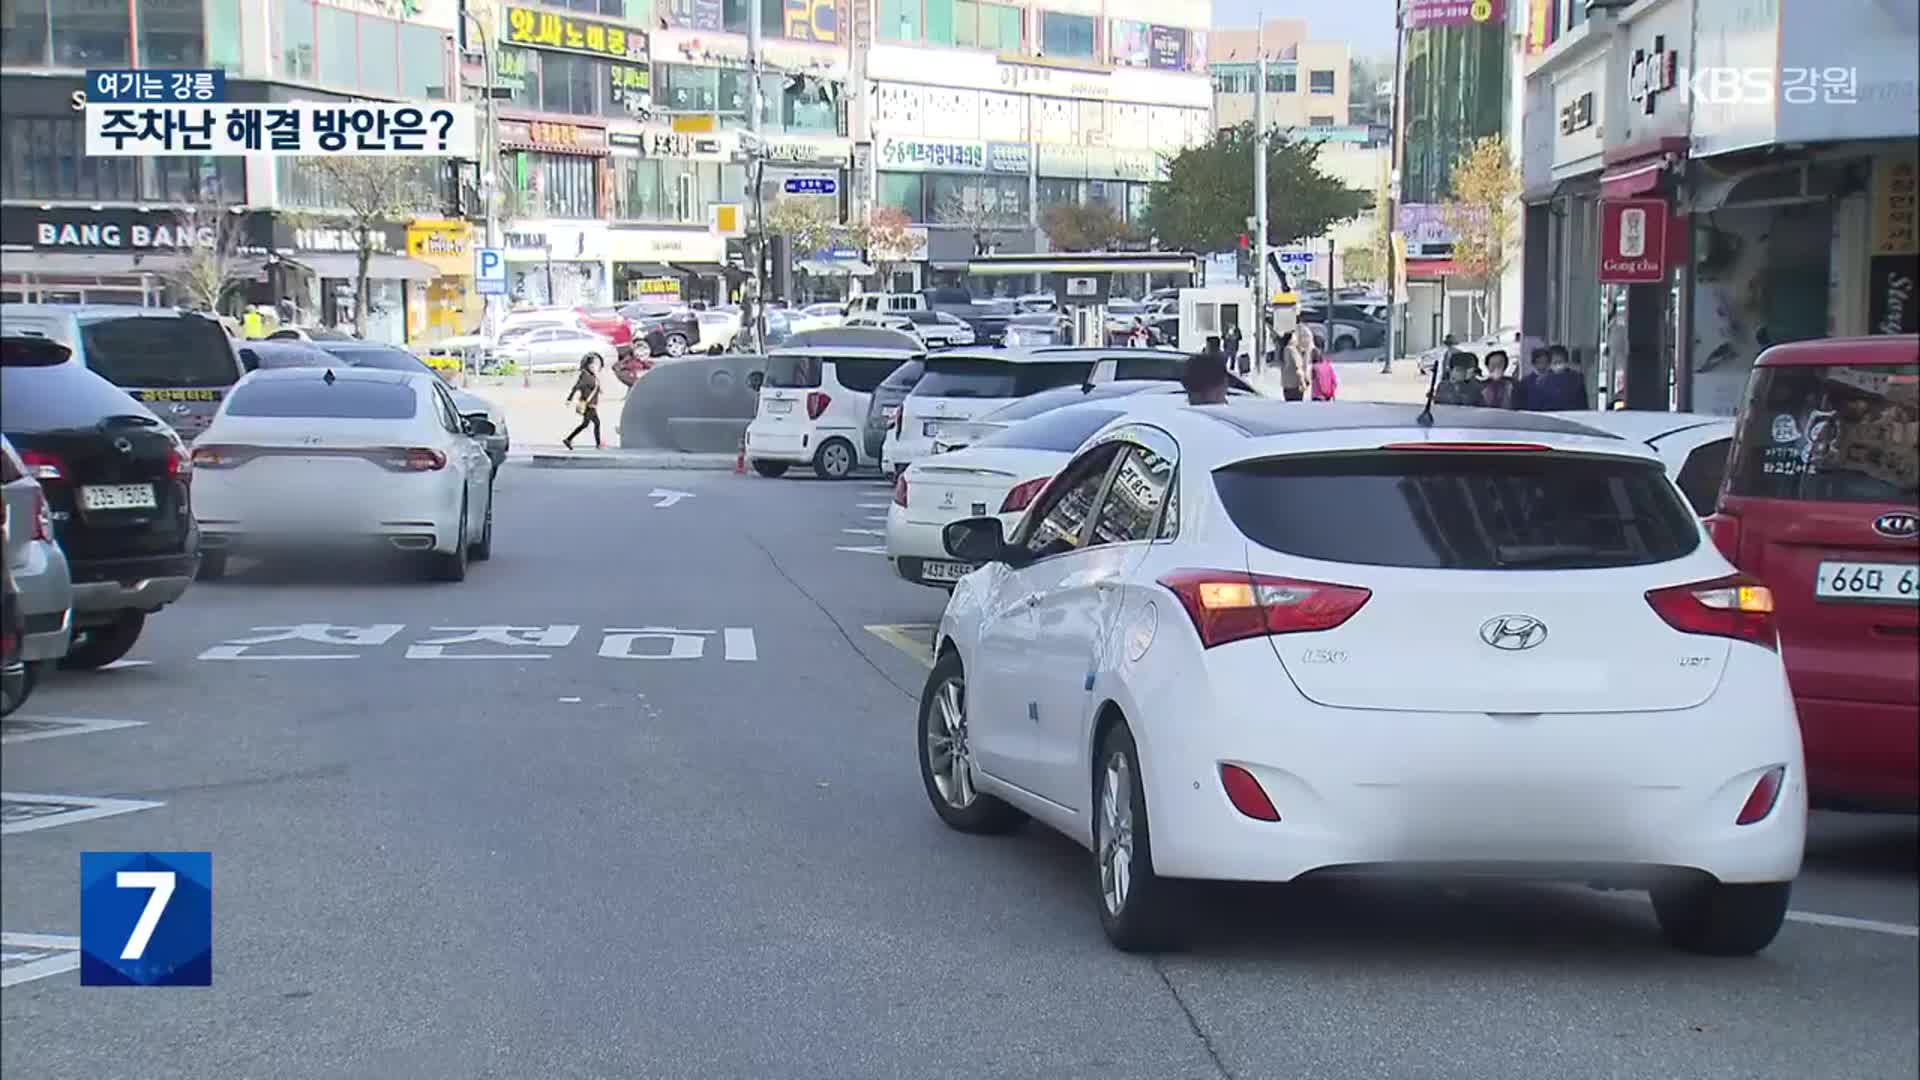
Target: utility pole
pixel 756 180
pixel 489 157
pixel 1393 188
pixel 1260 195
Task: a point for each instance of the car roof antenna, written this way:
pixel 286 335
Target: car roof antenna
pixel 328 377
pixel 1425 419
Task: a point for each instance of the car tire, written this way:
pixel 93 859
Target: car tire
pixel 213 566
pixel 834 460
pixel 770 469
pixel 946 769
pixel 482 549
pixel 97 646
pixel 16 685
pixel 1138 908
pixel 1715 919
pixel 676 344
pixel 452 566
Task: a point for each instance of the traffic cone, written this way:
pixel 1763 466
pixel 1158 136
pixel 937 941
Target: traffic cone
pixel 740 460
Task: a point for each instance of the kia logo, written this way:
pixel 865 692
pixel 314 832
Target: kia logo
pixel 1899 525
pixel 1513 632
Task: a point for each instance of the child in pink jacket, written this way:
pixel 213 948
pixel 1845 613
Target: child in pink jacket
pixel 1325 382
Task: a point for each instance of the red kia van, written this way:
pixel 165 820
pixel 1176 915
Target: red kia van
pixel 1820 503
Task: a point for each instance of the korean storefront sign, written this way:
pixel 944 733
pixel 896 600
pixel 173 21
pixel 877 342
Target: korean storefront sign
pixel 658 143
pixel 1009 158
pixel 1633 241
pixel 1893 271
pixel 1455 13
pixel 932 155
pixel 812 20
pixel 74 229
pixel 803 151
pixel 589 37
pixel 1168 48
pixel 446 245
pixel 552 135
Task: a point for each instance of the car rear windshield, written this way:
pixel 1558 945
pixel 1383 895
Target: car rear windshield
pixel 62 398
pixel 1830 434
pixel 147 353
pixel 382 359
pixel 344 399
pixel 1461 511
pixel 994 379
pixel 905 377
pixel 858 374
pixel 1062 430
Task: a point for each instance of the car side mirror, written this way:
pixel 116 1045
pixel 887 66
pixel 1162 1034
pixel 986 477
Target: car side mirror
pixel 976 540
pixel 478 425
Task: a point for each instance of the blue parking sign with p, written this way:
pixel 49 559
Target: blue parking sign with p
pixel 146 918
pixel 490 271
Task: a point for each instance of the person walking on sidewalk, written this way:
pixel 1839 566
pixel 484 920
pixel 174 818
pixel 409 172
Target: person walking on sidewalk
pixel 1497 392
pixel 1321 374
pixel 585 398
pixel 1296 363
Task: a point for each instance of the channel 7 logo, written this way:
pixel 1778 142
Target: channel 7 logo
pixel 146 918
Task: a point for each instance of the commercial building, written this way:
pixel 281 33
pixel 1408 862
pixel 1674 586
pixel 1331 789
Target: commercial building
pixel 1705 180
pixel 976 119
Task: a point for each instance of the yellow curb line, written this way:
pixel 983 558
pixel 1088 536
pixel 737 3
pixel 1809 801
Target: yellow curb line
pixel 902 637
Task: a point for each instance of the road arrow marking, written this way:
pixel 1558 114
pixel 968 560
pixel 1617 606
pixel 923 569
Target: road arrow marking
pixel 667 498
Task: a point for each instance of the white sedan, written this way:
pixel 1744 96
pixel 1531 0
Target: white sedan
pixel 322 458
pixel 1694 446
pixel 1254 642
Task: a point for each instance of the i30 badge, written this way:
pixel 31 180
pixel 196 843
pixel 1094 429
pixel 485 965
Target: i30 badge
pixel 1899 525
pixel 1513 632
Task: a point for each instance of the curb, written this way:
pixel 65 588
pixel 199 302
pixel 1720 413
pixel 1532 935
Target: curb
pixel 630 459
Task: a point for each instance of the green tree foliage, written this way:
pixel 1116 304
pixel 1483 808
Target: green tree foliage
pixel 1204 203
pixel 1086 227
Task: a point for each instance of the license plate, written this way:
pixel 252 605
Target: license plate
pixel 931 429
pixel 1887 583
pixel 945 571
pixel 779 408
pixel 118 497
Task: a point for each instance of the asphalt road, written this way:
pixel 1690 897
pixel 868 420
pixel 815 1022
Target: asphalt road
pixel 721 864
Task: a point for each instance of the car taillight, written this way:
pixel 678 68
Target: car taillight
pixel 179 465
pixel 1764 796
pixel 1229 605
pixel 900 490
pixel 43 466
pixel 817 403
pixel 1724 529
pixel 1022 495
pixel 217 457
pixel 1246 794
pixel 416 459
pixel 1735 607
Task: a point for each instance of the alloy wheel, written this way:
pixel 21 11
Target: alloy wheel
pixel 947 750
pixel 836 459
pixel 1115 824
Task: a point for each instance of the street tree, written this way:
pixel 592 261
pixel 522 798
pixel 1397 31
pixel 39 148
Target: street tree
pixel 364 194
pixel 1372 262
pixel 808 224
pixel 1207 197
pixel 979 215
pixel 1482 211
pixel 214 265
pixel 1087 227
pixel 887 237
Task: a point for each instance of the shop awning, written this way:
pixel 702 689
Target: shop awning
pixel 346 264
pixel 834 267
pixel 646 269
pixel 700 269
pixel 1632 181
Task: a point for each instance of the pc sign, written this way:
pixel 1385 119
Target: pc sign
pixel 162 113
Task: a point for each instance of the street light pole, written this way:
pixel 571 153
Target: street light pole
pixel 489 159
pixel 1260 196
pixel 1394 142
pixel 756 177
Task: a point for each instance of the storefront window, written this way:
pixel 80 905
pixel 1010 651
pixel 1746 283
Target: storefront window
pixel 25 41
pixel 732 99
pixel 88 34
pixel 519 71
pixel 806 104
pixel 903 191
pixel 223 34
pixel 305 188
pixel 1064 35
pixel 569 84
pixel 637 194
pixel 171 34
pixel 557 186
pixel 185 180
pixel 336 31
pixel 899 20
pixel 45 159
pixel 685 88
pixel 1058 193
pixel 1236 79
pixel 295 48
pixel 969 199
pixel 940 19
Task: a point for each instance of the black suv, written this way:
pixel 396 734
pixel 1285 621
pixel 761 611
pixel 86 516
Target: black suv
pixel 116 481
pixel 668 329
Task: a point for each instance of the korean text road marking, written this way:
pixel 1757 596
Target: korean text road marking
pixel 669 643
pixel 21 813
pixel 512 637
pixel 26 957
pixel 19 729
pixel 351 637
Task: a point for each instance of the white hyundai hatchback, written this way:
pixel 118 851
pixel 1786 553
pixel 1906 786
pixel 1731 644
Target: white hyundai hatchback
pixel 1259 641
pixel 305 458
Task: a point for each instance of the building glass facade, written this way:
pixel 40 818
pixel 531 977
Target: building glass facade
pixel 1456 91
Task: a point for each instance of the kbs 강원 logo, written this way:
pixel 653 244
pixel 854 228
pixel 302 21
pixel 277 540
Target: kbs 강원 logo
pixel 146 918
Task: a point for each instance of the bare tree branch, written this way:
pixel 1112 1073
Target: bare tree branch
pixel 213 265
pixel 366 193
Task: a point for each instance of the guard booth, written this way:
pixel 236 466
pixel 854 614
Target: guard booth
pixel 1082 283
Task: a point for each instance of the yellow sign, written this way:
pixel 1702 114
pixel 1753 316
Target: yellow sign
pixel 655 286
pixel 728 220
pixel 694 124
pixel 812 20
pixel 177 395
pixel 590 37
pixel 554 134
pixel 446 245
pixel 1896 206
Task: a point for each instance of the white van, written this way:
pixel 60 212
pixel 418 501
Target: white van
pixel 813 407
pixel 885 303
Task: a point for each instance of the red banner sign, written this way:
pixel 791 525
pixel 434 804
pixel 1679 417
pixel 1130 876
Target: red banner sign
pixel 1633 241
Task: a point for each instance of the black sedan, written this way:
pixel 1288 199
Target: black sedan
pixel 668 329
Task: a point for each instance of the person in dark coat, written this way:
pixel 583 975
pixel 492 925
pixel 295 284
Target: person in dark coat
pixel 1462 386
pixel 1563 388
pixel 1525 390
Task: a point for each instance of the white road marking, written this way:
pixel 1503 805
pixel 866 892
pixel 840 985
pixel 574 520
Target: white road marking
pixel 239 652
pixel 667 497
pixel 876 517
pixel 863 550
pixel 558 636
pixel 66 957
pixel 1848 922
pixel 69 725
pixel 122 665
pixel 740 643
pixel 82 808
pixel 874 506
pixel 318 633
pixel 569 701
pixel 865 532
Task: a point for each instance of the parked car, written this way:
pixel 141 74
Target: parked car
pixel 987 319
pixel 16 677
pixel 668 329
pixel 40 602
pixel 555 348
pixel 178 363
pixel 389 358
pixel 1386 680
pixel 303 458
pixel 1025 331
pixel 1693 446
pixel 116 481
pixel 309 333
pixel 719 328
pixel 1822 502
pixel 1347 326
pixel 884 405
pixel 813 402
pixel 1139 379
pixel 940 329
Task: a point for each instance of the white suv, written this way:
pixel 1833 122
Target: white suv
pixel 813 407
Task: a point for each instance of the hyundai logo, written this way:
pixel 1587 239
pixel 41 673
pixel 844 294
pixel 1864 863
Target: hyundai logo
pixel 1513 632
pixel 1899 525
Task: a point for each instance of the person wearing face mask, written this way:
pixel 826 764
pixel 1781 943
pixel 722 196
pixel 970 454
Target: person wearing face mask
pixel 1498 389
pixel 1527 388
pixel 1463 381
pixel 1562 388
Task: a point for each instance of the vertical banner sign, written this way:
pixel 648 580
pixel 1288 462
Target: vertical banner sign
pixel 1539 26
pixel 1633 241
pixel 1892 304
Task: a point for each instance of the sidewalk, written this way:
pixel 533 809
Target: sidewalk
pixel 538 416
pixel 1361 380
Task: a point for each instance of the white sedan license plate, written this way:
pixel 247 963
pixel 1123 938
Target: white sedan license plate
pixel 931 429
pixel 779 408
pixel 944 571
pixel 1889 583
pixel 118 497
